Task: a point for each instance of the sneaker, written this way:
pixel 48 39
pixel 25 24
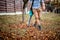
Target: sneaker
pixel 34 25
pixel 39 27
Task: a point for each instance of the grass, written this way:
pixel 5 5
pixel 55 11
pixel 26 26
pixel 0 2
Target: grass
pixel 48 21
pixel 11 26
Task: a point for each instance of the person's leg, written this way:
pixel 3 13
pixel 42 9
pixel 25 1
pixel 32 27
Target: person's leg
pixel 38 14
pixel 35 14
pixel 30 17
pixel 23 14
pixel 37 18
pixel 29 20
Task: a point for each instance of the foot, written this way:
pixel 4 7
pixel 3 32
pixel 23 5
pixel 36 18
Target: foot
pixel 39 27
pixel 34 25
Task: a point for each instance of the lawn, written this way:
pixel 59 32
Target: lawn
pixel 48 21
pixel 11 28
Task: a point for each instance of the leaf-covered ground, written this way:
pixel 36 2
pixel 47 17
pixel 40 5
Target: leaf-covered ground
pixel 13 30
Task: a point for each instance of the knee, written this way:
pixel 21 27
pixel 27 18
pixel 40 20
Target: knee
pixel 37 18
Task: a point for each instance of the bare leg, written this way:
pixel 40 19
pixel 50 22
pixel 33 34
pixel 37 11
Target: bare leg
pixel 37 18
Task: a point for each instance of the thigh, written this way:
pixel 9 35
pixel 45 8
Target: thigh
pixel 40 11
pixel 36 13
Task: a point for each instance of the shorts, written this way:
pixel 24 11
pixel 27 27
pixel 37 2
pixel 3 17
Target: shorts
pixel 38 9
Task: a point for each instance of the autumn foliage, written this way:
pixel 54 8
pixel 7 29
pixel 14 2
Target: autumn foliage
pixel 23 32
